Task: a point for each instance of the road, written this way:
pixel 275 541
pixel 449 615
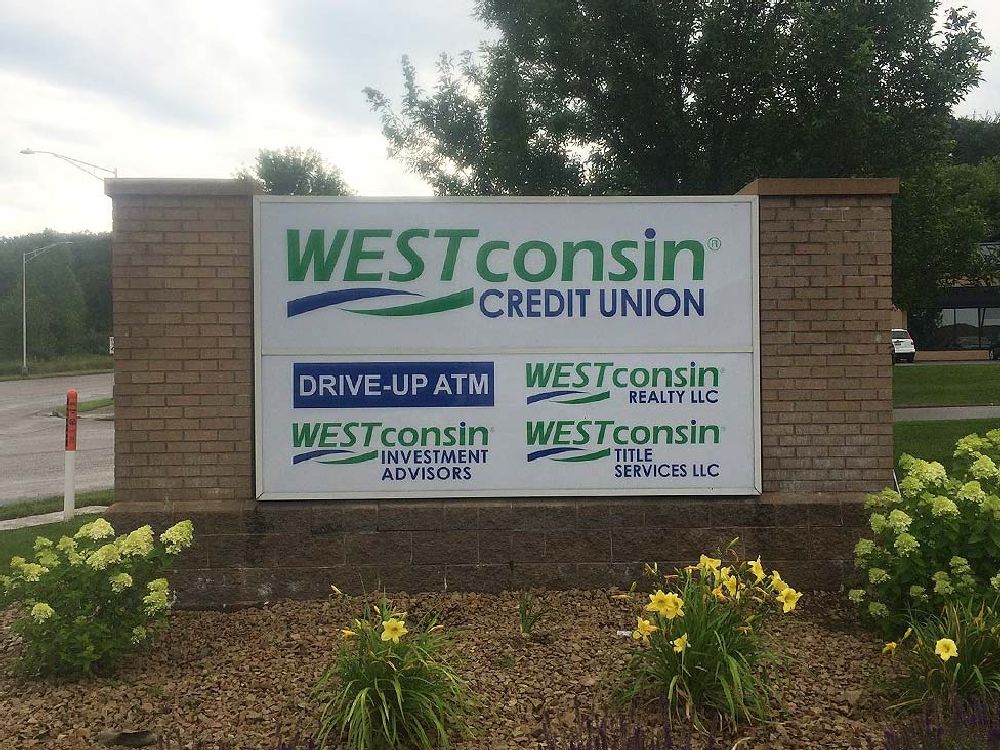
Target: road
pixel 31 443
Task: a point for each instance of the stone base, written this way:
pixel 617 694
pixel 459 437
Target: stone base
pixel 246 554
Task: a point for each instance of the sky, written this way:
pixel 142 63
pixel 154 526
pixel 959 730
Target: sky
pixel 193 88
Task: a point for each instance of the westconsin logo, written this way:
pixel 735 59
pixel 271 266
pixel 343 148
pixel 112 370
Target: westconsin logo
pixel 377 256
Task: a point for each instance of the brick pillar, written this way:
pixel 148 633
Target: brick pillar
pixel 825 316
pixel 183 326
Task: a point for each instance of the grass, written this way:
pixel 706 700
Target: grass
pixel 946 385
pixel 69 364
pixel 83 407
pixel 935 441
pixel 21 541
pixel 50 504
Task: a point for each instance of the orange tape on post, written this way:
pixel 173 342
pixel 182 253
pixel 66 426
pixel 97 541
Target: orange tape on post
pixel 71 419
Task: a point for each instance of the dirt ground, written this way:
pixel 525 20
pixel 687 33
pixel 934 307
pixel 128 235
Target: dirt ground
pixel 245 677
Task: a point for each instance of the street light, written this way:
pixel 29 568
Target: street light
pixel 83 166
pixel 25 257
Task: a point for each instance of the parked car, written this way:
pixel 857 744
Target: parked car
pixel 903 349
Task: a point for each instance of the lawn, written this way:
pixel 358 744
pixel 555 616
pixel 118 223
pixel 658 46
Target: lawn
pixel 69 364
pixel 935 441
pixel 946 385
pixel 50 504
pixel 85 406
pixel 21 541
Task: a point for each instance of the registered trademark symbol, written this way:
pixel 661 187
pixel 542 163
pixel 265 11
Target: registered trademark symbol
pixel 714 243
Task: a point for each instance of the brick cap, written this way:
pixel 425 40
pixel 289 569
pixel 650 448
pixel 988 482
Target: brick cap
pixel 179 186
pixel 822 186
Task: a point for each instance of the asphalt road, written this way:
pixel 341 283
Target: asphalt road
pixel 31 443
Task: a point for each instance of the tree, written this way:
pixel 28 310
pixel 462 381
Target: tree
pixel 976 139
pixel 294 171
pixel 69 295
pixel 687 96
pixel 941 216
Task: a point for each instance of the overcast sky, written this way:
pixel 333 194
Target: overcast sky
pixel 192 88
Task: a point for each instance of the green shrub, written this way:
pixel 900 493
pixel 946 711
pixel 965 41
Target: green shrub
pixel 390 687
pixel 934 541
pixel 87 601
pixel 529 612
pixel 948 657
pixel 700 643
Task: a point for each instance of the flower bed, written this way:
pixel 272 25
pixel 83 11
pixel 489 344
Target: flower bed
pixel 246 676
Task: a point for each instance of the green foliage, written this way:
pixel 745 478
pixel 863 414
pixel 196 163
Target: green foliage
pixel 941 215
pixel 390 687
pixel 295 171
pixel 529 612
pixel 634 97
pixel 928 673
pixel 68 295
pixel 937 539
pixel 700 643
pixel 977 139
pixel 86 601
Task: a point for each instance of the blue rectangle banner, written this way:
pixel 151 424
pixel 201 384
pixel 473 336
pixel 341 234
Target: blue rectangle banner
pixel 373 385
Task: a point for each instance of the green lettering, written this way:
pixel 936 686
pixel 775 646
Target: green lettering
pixel 481 260
pixel 410 255
pixel 520 255
pixel 672 249
pixel 572 249
pixel 322 261
pixel 359 253
pixel 629 269
pixel 455 237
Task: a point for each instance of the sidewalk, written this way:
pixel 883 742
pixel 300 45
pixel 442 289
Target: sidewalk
pixel 938 413
pixel 44 518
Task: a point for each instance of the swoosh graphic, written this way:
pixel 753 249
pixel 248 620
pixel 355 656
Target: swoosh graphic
pixel 300 457
pixel 588 399
pixel 550 394
pixel 535 455
pixel 339 296
pixel 595 456
pixel 426 307
pixel 360 458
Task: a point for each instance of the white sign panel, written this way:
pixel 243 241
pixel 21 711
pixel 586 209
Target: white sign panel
pixel 506 347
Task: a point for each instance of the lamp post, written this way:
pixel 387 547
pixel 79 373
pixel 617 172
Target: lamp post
pixel 25 257
pixel 83 166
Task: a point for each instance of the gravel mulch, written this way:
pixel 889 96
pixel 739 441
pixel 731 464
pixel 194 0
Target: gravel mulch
pixel 245 676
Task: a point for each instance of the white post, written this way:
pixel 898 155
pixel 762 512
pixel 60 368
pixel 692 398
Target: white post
pixel 69 489
pixel 24 315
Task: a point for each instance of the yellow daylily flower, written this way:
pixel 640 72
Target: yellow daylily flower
pixel 681 643
pixel 347 633
pixel 789 597
pixel 730 584
pixel 668 605
pixel 643 629
pixel 776 583
pixel 708 563
pixel 336 591
pixel 946 648
pixel 393 630
pixel 757 569
pixel 719 593
pixel 889 648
